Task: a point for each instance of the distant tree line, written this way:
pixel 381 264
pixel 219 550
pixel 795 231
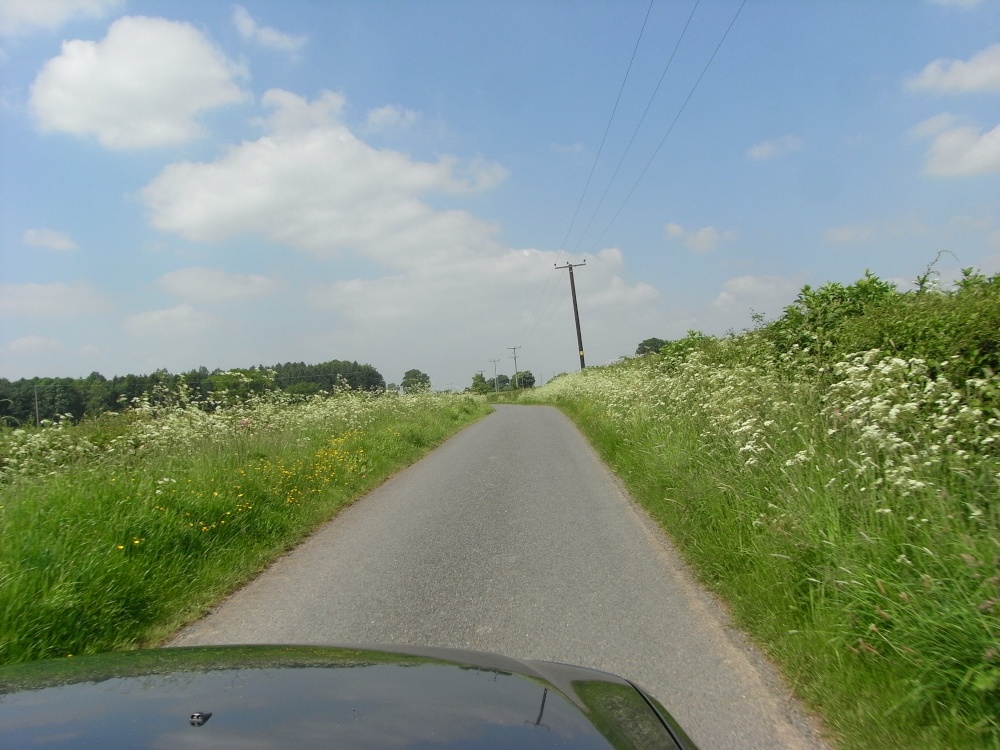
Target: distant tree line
pixel 25 401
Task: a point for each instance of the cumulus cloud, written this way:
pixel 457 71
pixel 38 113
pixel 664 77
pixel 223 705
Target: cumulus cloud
pixel 772 149
pixel 478 286
pixel 264 35
pixel 311 184
pixel 211 286
pixel 764 294
pixel 389 116
pixel 21 16
pixel 48 238
pixel 51 300
pixel 143 85
pixel 702 240
pixel 32 344
pixel 619 293
pixel 980 73
pixel 960 150
pixel 437 282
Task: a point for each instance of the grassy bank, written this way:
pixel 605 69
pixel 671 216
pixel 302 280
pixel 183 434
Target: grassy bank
pixel 115 531
pixel 845 503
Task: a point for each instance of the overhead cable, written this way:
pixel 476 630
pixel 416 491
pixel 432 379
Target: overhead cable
pixel 641 120
pixel 674 122
pixel 610 120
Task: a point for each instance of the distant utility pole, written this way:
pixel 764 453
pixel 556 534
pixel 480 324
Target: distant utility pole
pixel 514 349
pixel 496 384
pixel 576 311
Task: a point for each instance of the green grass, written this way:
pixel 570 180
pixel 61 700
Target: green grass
pixel 845 505
pixel 113 551
pixel 893 653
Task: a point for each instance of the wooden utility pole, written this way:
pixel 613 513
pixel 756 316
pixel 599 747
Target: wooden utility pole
pixel 496 385
pixel 515 348
pixel 576 311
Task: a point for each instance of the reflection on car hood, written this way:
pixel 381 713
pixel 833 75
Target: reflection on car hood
pixel 303 697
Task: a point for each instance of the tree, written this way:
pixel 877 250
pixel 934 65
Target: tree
pixel 415 381
pixel 330 376
pixel 502 383
pixel 649 346
pixel 479 384
pixel 524 379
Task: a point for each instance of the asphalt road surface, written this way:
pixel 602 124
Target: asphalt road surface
pixel 512 537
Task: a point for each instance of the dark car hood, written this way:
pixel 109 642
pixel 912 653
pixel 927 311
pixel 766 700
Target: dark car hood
pixel 304 697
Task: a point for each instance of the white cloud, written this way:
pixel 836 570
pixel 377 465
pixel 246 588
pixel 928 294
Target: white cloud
pixel 313 185
pixel 30 345
pixel 487 292
pixel 764 294
pixel 849 234
pixel 880 231
pixel 51 300
pixel 264 35
pixel 179 323
pixel 209 286
pixel 956 3
pixel 702 240
pixel 618 293
pixel 980 73
pixel 964 150
pixel 933 126
pixel 143 85
pixel 48 238
pixel 772 149
pixel 389 116
pixel 21 16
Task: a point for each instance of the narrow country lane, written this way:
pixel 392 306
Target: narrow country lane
pixel 513 538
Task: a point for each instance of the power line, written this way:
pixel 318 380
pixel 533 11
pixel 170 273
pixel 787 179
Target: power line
pixel 593 167
pixel 673 122
pixel 531 317
pixel 544 314
pixel 610 119
pixel 543 317
pixel 637 127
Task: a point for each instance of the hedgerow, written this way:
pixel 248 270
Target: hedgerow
pixel 835 474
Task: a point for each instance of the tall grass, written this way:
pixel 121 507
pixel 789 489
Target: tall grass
pixel 115 531
pixel 844 503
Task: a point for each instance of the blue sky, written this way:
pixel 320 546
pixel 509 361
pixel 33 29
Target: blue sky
pixel 227 185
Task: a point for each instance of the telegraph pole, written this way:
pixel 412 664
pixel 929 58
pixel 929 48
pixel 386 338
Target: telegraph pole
pixel 576 311
pixel 514 349
pixel 496 385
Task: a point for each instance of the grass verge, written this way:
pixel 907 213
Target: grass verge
pixel 111 542
pixel 852 526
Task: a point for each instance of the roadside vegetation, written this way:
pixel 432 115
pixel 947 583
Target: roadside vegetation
pixel 117 529
pixel 834 475
pixel 29 401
